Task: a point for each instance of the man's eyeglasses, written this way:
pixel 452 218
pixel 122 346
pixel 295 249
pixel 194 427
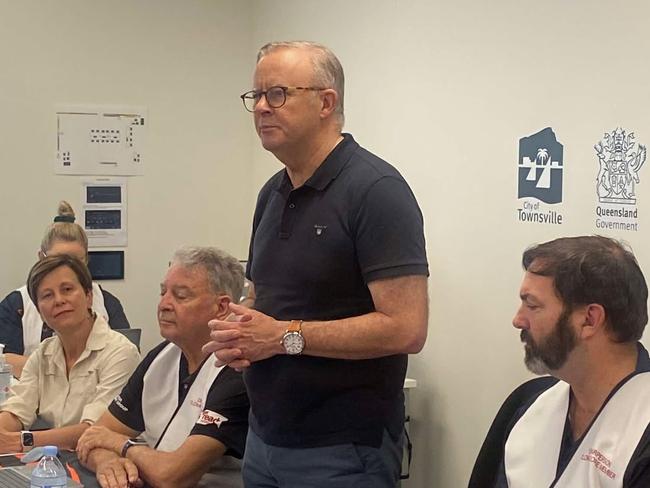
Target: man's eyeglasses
pixel 276 96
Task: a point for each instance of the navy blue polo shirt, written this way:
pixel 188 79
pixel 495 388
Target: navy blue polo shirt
pixel 313 251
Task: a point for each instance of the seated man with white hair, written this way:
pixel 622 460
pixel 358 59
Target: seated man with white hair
pixel 180 420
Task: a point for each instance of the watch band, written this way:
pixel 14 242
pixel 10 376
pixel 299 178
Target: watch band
pixel 26 440
pixel 130 443
pixel 295 326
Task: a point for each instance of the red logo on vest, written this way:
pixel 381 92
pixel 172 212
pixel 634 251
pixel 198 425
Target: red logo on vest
pixel 209 417
pixel 600 461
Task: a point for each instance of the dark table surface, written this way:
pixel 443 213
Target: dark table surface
pixel 86 477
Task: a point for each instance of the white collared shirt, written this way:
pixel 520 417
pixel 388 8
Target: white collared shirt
pixel 94 380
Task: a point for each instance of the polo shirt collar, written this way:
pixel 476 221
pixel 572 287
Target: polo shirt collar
pixel 642 360
pixel 329 168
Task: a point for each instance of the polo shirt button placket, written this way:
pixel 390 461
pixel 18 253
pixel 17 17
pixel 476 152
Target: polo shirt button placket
pixel 287 219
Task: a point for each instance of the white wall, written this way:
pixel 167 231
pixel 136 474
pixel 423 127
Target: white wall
pixel 444 91
pixel 186 62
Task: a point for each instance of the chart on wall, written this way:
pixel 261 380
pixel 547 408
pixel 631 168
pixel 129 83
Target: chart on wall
pixel 100 140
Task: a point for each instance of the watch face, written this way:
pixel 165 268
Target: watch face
pixel 27 439
pixel 293 343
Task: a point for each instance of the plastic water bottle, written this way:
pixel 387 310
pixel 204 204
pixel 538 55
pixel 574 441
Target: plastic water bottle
pixel 5 375
pixel 49 472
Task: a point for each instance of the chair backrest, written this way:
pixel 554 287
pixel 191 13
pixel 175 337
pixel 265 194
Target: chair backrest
pixel 490 456
pixel 131 334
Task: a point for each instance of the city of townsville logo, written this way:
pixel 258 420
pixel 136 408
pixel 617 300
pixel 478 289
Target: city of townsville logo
pixel 540 174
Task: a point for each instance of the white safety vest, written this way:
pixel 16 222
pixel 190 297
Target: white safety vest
pixel 166 425
pixel 533 447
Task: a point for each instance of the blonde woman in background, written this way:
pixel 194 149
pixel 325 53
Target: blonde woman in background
pixel 21 326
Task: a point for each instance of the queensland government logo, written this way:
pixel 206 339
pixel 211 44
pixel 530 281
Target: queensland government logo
pixel 620 159
pixel 541 166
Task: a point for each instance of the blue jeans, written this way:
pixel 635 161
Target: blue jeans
pixel 339 466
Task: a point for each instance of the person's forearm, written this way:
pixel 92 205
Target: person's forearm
pixel 366 336
pixel 98 456
pixel 363 337
pixel 163 469
pixel 9 422
pixel 9 435
pixel 397 326
pixel 63 437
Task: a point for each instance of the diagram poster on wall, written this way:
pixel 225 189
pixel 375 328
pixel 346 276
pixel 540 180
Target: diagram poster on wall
pixel 100 140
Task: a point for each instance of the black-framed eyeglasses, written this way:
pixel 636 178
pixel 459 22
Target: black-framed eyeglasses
pixel 276 96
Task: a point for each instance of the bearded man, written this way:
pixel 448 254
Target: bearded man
pixel 583 310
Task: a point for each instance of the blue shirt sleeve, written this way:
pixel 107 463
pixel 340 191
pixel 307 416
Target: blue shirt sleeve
pixel 11 323
pixel 116 316
pixel 389 214
pixel 227 399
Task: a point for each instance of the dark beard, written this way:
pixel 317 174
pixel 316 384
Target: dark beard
pixel 552 352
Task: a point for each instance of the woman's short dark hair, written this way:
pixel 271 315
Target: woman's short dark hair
pixel 595 269
pixel 46 265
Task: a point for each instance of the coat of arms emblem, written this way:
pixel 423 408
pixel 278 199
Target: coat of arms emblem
pixel 620 160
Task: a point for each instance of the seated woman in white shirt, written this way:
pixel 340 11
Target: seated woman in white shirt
pixel 21 327
pixel 72 376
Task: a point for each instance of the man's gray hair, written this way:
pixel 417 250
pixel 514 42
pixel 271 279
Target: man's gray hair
pixel 225 273
pixel 328 72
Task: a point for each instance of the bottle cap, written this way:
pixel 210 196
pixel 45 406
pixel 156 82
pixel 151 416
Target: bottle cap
pixel 50 451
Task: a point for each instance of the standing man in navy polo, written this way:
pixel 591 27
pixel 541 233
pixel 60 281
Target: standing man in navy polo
pixel 339 271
